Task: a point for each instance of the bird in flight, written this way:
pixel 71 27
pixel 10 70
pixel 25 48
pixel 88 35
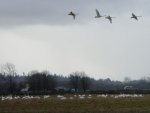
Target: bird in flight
pixel 109 18
pixel 135 17
pixel 98 15
pixel 73 14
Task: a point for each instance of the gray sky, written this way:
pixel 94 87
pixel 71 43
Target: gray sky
pixel 39 35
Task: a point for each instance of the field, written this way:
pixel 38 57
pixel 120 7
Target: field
pixel 76 104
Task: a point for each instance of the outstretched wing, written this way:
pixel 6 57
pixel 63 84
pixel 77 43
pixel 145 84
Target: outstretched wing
pixel 134 16
pixel 110 20
pixel 74 17
pixel 97 12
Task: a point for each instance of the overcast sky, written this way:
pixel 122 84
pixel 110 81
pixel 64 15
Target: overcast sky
pixel 40 35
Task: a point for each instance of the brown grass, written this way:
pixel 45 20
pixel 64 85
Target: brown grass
pixel 94 105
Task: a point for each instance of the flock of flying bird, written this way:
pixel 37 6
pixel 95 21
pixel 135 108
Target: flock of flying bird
pixel 98 15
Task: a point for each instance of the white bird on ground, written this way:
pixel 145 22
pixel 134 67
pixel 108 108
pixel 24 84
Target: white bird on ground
pixel 63 98
pixel 81 97
pixel 46 96
pixel 109 18
pixel 71 98
pixel 135 17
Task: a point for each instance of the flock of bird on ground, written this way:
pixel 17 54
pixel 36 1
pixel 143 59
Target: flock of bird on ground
pixel 71 97
pixel 98 15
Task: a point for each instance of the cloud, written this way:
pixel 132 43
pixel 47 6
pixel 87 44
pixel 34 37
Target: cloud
pixel 42 36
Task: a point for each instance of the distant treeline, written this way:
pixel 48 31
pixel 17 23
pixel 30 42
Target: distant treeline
pixel 77 82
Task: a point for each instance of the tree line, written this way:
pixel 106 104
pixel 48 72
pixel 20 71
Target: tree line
pixel 44 82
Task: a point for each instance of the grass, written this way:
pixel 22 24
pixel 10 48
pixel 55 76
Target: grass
pixel 94 105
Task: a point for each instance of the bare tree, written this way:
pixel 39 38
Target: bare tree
pixel 85 81
pixel 75 80
pixel 127 80
pixel 78 79
pixel 9 70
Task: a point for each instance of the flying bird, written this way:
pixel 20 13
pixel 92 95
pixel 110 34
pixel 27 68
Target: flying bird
pixel 98 15
pixel 73 14
pixel 135 17
pixel 109 18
